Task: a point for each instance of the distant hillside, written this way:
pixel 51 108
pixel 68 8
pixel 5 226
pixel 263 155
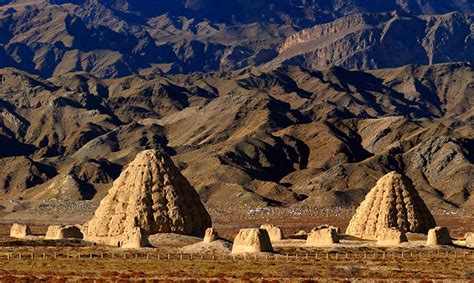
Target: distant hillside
pixel 286 137
pixel 384 40
pixel 112 39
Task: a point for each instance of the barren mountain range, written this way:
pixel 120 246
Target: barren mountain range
pixel 300 104
pixel 247 138
pixel 118 38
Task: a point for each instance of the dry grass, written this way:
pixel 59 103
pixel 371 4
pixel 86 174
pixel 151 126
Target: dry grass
pixel 434 264
pixel 117 268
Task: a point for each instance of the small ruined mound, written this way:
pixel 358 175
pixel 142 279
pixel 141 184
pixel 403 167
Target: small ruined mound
pixel 439 236
pixel 20 231
pixel 391 237
pixel 325 226
pixel 52 232
pixel 210 235
pixel 469 240
pixel 69 232
pixel 59 232
pixel 275 233
pixel 135 238
pixel 150 194
pixel 252 241
pixel 393 202
pixel 322 237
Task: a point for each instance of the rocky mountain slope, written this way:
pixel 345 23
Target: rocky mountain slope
pixel 111 39
pixel 370 41
pixel 250 138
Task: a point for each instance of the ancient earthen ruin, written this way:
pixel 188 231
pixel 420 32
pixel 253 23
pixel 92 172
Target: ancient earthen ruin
pixel 134 238
pixel 275 233
pixel 150 194
pixel 210 235
pixel 322 237
pixel 439 236
pixel 252 241
pixel 20 231
pixel 392 202
pixel 391 237
pixel 51 233
pixel 469 240
pixel 338 230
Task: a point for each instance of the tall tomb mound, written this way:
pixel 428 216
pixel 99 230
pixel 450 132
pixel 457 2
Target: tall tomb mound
pixel 151 195
pixel 392 203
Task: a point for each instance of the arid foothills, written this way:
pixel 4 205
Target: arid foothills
pixel 290 140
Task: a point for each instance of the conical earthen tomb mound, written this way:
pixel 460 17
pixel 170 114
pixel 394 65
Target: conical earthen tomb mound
pixel 151 194
pixel 392 203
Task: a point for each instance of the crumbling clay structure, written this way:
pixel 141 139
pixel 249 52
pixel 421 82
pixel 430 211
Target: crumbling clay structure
pixel 150 194
pixel 210 235
pixel 59 232
pixel 322 237
pixel 391 237
pixel 438 236
pixel 393 202
pixel 20 231
pixel 52 232
pixel 69 232
pixel 469 240
pixel 252 241
pixel 338 230
pixel 134 239
pixel 275 233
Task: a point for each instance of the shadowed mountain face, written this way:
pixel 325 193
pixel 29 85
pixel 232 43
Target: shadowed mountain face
pixel 288 136
pixel 280 11
pixel 111 39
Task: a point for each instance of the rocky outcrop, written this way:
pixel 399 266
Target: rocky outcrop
pixel 391 237
pixel 210 235
pixel 252 241
pixel 150 194
pixel 322 237
pixel 20 231
pixel 392 203
pixel 275 233
pixel 438 236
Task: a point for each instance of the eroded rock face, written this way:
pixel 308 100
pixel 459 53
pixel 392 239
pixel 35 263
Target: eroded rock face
pixel 210 235
pixel 322 237
pixel 275 233
pixel 357 41
pixel 393 202
pixel 150 194
pixel 391 237
pixel 439 236
pixel 20 231
pixel 252 241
